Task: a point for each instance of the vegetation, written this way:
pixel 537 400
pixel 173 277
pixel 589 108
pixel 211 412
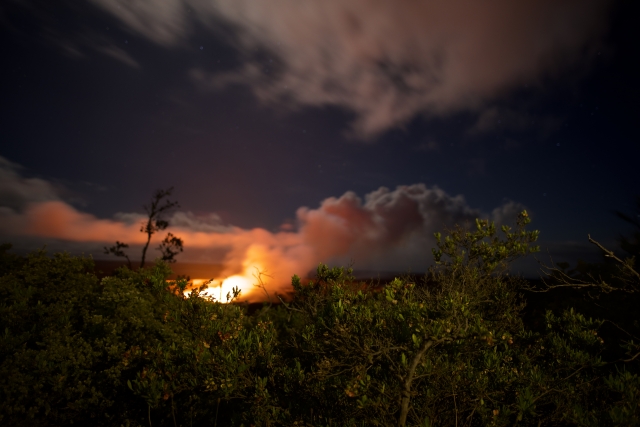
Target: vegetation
pixel 170 245
pixel 454 349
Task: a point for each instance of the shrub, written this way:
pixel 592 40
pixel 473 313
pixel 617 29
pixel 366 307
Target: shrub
pixel 132 350
pixel 125 350
pixel 452 353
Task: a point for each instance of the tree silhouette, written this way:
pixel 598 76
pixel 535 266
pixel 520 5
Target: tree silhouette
pixel 170 246
pixel 117 251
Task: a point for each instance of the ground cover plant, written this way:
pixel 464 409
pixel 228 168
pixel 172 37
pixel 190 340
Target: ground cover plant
pixel 132 350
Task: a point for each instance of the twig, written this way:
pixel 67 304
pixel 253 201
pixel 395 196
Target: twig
pixel 632 359
pixel 610 254
pixel 568 281
pixel 287 307
pixel 406 392
pixel 614 324
pixel 470 417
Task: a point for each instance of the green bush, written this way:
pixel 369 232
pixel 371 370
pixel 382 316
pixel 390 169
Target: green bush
pixel 453 349
pixel 455 353
pixel 125 350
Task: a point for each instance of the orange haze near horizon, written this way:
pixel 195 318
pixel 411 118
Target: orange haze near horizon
pixel 390 229
pixel 277 256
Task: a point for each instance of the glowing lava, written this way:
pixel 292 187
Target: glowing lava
pixel 222 291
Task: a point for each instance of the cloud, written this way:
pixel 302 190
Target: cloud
pixel 387 61
pixel 208 223
pixel 74 41
pixel 16 192
pixel 59 220
pixel 164 23
pixel 118 54
pixel 388 230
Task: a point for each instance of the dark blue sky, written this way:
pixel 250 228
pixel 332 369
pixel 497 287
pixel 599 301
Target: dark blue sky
pixel 252 111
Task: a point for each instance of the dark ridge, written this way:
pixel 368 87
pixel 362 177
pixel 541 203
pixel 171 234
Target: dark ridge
pixel 193 270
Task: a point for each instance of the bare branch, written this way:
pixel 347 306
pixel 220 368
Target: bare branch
pixel 629 334
pixel 406 392
pixel 631 359
pixel 567 281
pixel 610 254
pixel 258 276
pixel 287 307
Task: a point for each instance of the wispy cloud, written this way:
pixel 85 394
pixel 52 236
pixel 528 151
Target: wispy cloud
pixel 163 22
pixel 17 191
pixel 119 54
pixel 387 61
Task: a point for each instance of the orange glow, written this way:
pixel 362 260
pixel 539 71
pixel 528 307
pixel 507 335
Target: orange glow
pixel 385 231
pixel 280 254
pixel 218 290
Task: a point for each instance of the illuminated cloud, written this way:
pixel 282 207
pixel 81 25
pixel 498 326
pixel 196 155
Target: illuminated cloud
pixel 387 61
pixel 209 223
pixel 389 230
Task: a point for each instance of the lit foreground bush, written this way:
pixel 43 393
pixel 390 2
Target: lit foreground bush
pixel 121 351
pixel 453 351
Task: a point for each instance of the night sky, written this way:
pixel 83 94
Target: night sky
pixel 296 132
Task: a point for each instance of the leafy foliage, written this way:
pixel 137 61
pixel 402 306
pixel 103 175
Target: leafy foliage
pixel 132 349
pixel 452 353
pixel 125 350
